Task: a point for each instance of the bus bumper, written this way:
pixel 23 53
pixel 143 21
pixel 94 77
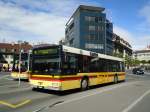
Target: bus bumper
pixel 16 75
pixel 46 85
pixel 49 88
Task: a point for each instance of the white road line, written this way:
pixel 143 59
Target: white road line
pixel 9 78
pixel 136 75
pixel 4 76
pixel 95 93
pixel 135 102
pixel 147 73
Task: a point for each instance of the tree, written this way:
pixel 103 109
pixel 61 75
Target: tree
pixel 119 55
pixel 143 62
pixel 136 62
pixel 148 61
pixel 128 61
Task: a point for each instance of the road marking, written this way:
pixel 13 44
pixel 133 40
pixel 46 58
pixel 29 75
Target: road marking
pixel 136 75
pixel 22 103
pixel 135 102
pixel 4 76
pixel 147 73
pixel 9 78
pixel 14 106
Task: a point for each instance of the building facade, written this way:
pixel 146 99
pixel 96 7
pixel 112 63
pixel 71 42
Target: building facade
pixel 7 51
pixel 121 47
pixel 89 29
pixel 142 55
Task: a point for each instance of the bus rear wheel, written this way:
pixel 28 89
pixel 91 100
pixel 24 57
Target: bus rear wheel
pixel 84 84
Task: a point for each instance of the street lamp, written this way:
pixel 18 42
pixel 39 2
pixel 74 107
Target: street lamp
pixel 29 54
pixel 20 52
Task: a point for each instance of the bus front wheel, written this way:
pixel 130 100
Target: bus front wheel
pixel 84 84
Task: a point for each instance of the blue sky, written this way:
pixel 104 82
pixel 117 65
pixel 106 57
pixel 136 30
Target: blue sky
pixel 44 20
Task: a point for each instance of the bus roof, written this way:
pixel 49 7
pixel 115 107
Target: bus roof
pixel 80 51
pixel 89 53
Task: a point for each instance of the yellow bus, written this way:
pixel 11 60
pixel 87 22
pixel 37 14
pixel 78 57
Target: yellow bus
pixel 24 72
pixel 59 67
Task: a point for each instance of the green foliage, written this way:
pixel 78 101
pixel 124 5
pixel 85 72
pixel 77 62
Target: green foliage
pixel 119 55
pixel 129 61
pixel 143 62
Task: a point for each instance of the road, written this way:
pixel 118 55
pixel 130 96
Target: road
pixel 133 95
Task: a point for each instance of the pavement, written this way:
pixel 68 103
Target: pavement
pixel 133 95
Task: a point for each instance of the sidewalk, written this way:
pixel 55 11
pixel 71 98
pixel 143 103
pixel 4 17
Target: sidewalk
pixel 4 73
pixel 147 72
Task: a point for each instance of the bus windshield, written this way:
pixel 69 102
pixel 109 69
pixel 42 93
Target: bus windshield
pixel 23 66
pixel 46 61
pixel 24 62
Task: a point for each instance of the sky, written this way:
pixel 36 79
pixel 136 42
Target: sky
pixel 44 20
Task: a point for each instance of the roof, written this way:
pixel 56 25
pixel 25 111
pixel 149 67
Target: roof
pixel 142 51
pixel 93 8
pixel 85 7
pixel 88 53
pixel 9 47
pixel 43 46
pixel 80 51
pixel 119 40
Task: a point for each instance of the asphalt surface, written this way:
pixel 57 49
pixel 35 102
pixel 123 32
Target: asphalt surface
pixel 133 95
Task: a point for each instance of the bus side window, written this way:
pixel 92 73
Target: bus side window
pixel 73 64
pixel 101 65
pixel 123 66
pixel 86 62
pixel 94 65
pixel 106 65
pixel 69 65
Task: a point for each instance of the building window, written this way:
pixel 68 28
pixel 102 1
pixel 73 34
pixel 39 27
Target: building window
pixel 94 19
pixel 99 28
pixel 13 50
pixel 11 56
pixel 3 50
pixel 100 19
pixel 71 26
pixel 94 46
pixel 6 56
pixel 71 41
pixel 88 18
pixel 91 37
pixel 91 27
